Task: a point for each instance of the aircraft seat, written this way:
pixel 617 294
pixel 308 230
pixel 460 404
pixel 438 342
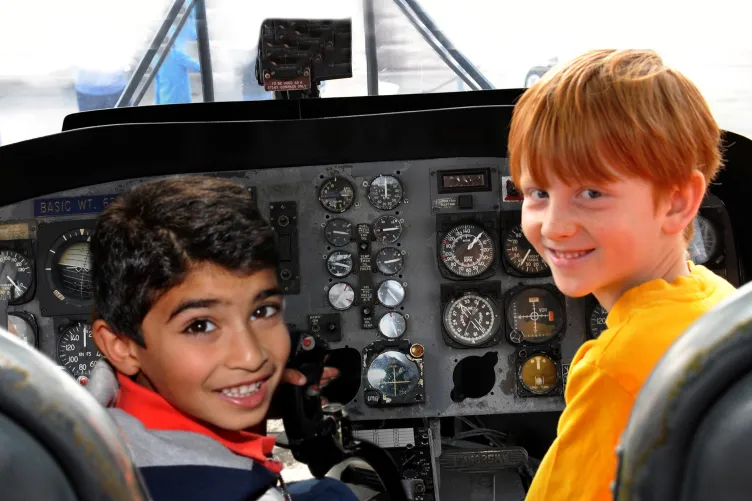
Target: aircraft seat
pixel 689 437
pixel 56 442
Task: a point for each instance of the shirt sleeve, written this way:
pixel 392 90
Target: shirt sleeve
pixel 581 463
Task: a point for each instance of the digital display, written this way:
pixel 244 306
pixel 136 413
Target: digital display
pixel 463 180
pixel 459 181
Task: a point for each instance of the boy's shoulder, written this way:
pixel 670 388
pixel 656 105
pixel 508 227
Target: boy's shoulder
pixel 647 320
pixel 192 467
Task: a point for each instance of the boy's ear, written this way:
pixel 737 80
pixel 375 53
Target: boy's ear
pixel 683 204
pixel 120 350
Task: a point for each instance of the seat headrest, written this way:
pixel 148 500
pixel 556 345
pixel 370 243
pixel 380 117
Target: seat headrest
pixel 62 417
pixel 700 379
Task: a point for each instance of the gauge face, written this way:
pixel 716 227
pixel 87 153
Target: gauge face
pixel 521 255
pixel 15 274
pixel 393 374
pixel 539 374
pixel 387 229
pixel 341 296
pixel 471 319
pixel 536 313
pixel 392 325
pixel 22 327
pixel 597 323
pixel 68 264
pixel 389 260
pixel 337 195
pixel 76 350
pixel 391 293
pixel 339 263
pixel 467 250
pixel 338 232
pixel 385 192
pixel 704 243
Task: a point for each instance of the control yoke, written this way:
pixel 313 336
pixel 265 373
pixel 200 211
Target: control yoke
pixel 313 436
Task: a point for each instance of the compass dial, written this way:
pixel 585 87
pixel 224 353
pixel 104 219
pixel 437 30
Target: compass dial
pixel 76 350
pixel 16 275
pixel 597 321
pixel 705 242
pixel 538 374
pixel 535 314
pixel 472 319
pixel 467 250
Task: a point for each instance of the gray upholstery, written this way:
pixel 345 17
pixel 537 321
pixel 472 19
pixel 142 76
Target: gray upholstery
pixel 50 423
pixel 689 437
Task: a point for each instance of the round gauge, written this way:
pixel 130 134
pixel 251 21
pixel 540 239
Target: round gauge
pixel 597 321
pixel 341 296
pixel 337 195
pixel 392 325
pixel 387 229
pixel 471 319
pixel 704 243
pixel 385 192
pixel 68 265
pixel 538 374
pixel 339 263
pixel 467 250
pixel 15 274
pixel 76 350
pixel 389 260
pixel 23 325
pixel 338 232
pixel 393 374
pixel 521 255
pixel 391 293
pixel 536 314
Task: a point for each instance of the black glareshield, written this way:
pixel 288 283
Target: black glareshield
pixel 311 434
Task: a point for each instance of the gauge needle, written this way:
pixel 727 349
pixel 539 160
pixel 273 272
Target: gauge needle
pixel 390 229
pixel 525 258
pixel 475 240
pixel 385 190
pixel 392 294
pixel 341 265
pixel 20 291
pixel 390 261
pixel 394 329
pixel 340 232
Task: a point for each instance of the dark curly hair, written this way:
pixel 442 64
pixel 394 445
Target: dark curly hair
pixel 146 242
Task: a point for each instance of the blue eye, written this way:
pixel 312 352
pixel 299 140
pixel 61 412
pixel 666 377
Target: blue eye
pixel 538 194
pixel 592 194
pixel 266 311
pixel 201 326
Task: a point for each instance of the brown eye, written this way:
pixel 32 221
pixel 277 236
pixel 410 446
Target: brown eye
pixel 201 326
pixel 266 311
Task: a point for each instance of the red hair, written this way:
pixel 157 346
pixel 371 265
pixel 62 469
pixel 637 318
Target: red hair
pixel 614 112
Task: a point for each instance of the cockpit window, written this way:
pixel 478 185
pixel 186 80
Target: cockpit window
pixel 58 58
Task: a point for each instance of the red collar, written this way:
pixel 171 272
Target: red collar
pixel 157 414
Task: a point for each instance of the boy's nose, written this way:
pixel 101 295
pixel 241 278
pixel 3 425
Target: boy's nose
pixel 245 352
pixel 558 224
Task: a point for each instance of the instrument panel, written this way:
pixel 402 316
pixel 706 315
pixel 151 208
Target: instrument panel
pixel 418 267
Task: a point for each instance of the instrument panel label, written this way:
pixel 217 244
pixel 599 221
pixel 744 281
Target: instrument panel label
pixel 67 206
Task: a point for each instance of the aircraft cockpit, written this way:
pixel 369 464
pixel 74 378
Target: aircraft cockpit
pixel 402 258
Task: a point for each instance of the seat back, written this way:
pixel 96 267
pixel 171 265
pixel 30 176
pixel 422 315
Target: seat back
pixel 56 441
pixel 689 437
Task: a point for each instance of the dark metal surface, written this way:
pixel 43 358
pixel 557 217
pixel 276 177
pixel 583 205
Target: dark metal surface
pixel 69 422
pixel 705 362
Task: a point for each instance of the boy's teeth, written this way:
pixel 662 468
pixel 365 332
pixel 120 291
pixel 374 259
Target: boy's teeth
pixel 571 255
pixel 242 391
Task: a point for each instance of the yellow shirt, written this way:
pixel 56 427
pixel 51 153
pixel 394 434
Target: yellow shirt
pixel 606 376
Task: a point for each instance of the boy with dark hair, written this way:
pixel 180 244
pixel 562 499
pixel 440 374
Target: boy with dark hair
pixel 188 312
pixel 613 152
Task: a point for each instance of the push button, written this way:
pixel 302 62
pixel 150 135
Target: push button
pixel 465 201
pixel 372 397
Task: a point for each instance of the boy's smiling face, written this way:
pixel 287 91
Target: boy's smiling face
pixel 216 346
pixel 606 238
